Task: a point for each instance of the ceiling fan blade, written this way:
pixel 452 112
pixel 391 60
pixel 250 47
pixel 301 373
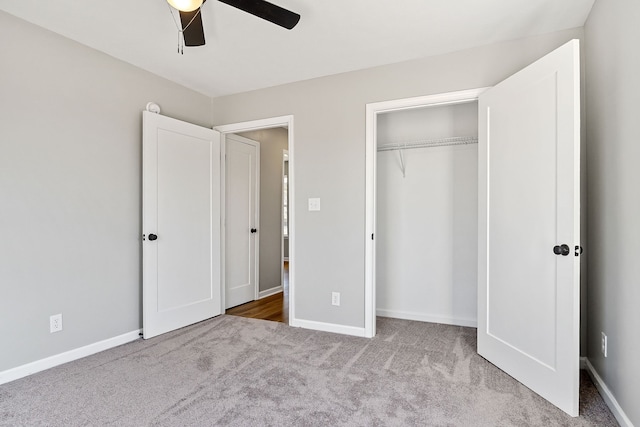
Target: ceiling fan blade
pixel 268 11
pixel 193 33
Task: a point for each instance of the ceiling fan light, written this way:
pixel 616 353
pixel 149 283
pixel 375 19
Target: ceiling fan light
pixel 185 5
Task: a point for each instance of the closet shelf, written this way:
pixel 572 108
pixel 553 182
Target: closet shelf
pixel 461 140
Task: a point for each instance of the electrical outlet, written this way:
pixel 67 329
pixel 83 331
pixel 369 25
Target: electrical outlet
pixel 604 344
pixel 335 298
pixel 55 323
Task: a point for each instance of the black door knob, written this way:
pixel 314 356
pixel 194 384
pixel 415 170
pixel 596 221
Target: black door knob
pixel 253 230
pixel 561 250
pixel 153 237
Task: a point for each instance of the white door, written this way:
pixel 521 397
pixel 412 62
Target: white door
pixel 529 193
pixel 181 224
pixel 242 201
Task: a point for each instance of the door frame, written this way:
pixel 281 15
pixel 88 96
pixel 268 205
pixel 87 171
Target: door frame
pixel 261 124
pixel 372 112
pixel 285 158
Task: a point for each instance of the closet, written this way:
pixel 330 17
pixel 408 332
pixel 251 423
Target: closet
pixel 427 213
pixel 440 207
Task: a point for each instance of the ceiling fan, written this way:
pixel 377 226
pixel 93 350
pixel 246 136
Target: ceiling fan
pixel 191 18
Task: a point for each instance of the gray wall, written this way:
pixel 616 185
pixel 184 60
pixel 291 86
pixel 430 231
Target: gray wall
pixel 70 177
pixel 613 139
pixel 329 156
pixel 272 142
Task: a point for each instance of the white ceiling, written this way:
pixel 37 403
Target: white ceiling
pixel 245 53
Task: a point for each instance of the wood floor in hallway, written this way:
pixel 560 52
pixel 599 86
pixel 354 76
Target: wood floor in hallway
pixel 274 307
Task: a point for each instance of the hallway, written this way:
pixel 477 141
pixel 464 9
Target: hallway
pixel 274 307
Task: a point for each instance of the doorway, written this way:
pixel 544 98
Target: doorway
pixel 427 214
pixel 374 113
pixel 274 285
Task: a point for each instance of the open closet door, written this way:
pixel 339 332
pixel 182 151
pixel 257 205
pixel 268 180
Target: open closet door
pixel 529 226
pixel 181 224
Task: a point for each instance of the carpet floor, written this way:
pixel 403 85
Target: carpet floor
pixel 233 371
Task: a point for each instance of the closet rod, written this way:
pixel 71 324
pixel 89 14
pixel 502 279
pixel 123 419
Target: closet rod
pixel 461 140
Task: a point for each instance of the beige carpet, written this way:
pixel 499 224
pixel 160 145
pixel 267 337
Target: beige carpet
pixel 232 371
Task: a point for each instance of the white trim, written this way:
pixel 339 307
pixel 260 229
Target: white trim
pixel 423 317
pixel 66 357
pixel 223 221
pixel 285 158
pixel 370 221
pixel 372 111
pixel 448 98
pixel 608 397
pixel 327 327
pixel 274 122
pixel 256 223
pixel 269 292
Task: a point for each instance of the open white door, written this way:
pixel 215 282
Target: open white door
pixel 181 222
pixel 529 196
pixel 241 205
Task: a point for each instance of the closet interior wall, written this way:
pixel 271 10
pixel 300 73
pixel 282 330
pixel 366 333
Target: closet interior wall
pixel 427 214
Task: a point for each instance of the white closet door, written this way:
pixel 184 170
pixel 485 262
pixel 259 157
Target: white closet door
pixel 529 193
pixel 181 223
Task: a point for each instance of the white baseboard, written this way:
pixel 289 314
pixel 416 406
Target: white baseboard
pixel 422 317
pixel 606 394
pixel 327 327
pixel 269 292
pixel 68 356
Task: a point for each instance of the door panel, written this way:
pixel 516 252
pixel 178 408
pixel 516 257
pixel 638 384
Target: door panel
pixel 528 297
pixel 241 270
pixel 184 252
pixel 532 202
pixel 181 206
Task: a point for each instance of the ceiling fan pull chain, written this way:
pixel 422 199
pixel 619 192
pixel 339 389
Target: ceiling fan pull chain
pixel 180 43
pixel 180 30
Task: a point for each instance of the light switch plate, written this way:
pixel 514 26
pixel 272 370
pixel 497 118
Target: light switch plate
pixel 314 204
